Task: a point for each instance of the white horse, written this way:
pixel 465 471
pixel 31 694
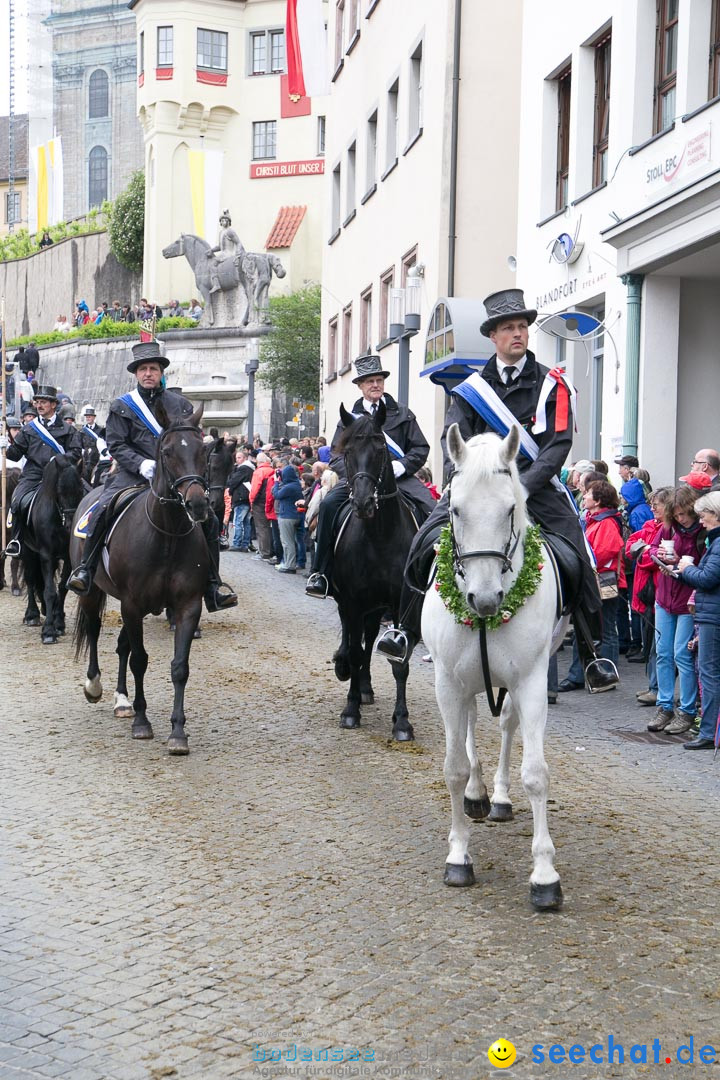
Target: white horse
pixel 488 526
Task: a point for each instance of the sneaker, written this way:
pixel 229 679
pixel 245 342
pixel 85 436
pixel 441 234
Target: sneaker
pixel 647 697
pixel 286 569
pixel 661 719
pixel 258 557
pixel 681 722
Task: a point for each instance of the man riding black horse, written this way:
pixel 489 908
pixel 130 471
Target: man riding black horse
pixel 409 450
pixel 513 387
pixel 132 433
pixel 38 441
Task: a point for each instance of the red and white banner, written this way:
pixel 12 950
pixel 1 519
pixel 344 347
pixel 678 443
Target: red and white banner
pixel 306 43
pixel 261 170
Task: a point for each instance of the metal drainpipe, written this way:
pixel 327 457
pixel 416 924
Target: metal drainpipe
pixel 454 149
pixel 634 283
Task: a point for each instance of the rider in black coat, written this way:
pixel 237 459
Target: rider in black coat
pixel 410 454
pixel 29 443
pixel 133 447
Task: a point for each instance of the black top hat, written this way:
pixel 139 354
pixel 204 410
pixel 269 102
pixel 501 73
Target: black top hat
pixel 49 393
pixel 506 304
pixel 369 365
pixel 145 351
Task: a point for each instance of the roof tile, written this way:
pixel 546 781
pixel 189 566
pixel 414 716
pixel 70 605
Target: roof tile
pixel 286 226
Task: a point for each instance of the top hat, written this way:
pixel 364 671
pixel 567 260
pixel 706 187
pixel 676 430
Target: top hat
pixel 369 365
pixel 89 411
pixel 48 393
pixel 503 305
pixel 145 351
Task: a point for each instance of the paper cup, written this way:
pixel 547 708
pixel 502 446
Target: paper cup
pixel 668 546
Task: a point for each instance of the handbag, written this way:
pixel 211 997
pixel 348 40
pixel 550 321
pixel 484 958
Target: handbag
pixel 608 582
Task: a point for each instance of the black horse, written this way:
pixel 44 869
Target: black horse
pixel 157 556
pixel 45 545
pixel 12 478
pixel 221 456
pixel 368 566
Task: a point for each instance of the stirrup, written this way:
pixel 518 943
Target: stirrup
pixel 394 645
pixel 601 674
pixel 317 585
pixel 220 596
pixel 13 549
pixel 80 580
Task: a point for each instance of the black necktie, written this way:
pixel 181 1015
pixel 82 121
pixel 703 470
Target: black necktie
pixel 509 375
pixel 374 408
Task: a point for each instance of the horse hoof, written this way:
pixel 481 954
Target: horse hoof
pixel 121 713
pixel 16 592
pixel 49 639
pixel 404 734
pixel 32 621
pixel 142 731
pixel 367 698
pixel 477 809
pixel 342 668
pixel 197 634
pixel 546 897
pixel 500 811
pixel 459 876
pixel 177 746
pixel 349 722
pixel 171 626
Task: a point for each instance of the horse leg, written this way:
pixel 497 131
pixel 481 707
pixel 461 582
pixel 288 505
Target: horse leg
pixel 89 608
pixel 186 624
pixel 370 632
pixel 16 587
pixel 132 622
pixel 476 802
pixel 341 656
pixel 49 634
pixel 545 890
pixel 352 625
pixel 402 728
pixel 501 804
pixel 32 614
pixel 455 710
pixel 122 708
pixel 62 594
pixel 205 293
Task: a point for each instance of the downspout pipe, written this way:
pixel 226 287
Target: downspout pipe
pixel 634 284
pixel 452 222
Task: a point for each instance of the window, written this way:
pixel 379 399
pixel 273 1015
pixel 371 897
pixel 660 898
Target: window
pixel 665 64
pixel 602 111
pixel 563 139
pixel 387 281
pixel 332 346
pixel 353 22
pixel 212 50
pixel 714 87
pixel 321 136
pixel 264 139
pixel 165 46
pixel 366 321
pixel 371 152
pixel 336 197
pixel 350 182
pixel 267 52
pixel 415 120
pixel 97 176
pixel 141 52
pixel 391 134
pixel 339 31
pixel 347 337
pixel 12 208
pixel 98 95
pixel 408 260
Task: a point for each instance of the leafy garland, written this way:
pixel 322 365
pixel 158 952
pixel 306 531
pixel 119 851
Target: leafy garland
pixel 525 586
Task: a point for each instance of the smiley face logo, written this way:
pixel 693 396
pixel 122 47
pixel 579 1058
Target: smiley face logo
pixel 502 1054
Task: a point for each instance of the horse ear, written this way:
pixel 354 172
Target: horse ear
pixel 380 415
pixel 511 444
pixel 198 414
pixel 456 445
pixel 345 416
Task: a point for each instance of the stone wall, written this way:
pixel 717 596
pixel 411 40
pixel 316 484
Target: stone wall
pixel 50 282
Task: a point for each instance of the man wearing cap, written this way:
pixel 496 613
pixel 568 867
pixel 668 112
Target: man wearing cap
pixel 700 481
pixel 625 464
pixel 707 462
pixel 409 450
pixel 38 441
pixel 513 385
pixel 132 441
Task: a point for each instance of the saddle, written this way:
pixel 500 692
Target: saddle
pixel 569 570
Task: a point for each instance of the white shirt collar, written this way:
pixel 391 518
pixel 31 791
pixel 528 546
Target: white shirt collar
pixel 368 405
pixel 518 367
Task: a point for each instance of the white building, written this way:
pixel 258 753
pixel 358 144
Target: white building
pixel 212 90
pixel 618 158
pixel 415 178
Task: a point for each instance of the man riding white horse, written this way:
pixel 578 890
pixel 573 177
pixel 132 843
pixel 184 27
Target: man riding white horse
pixel 514 388
pixel 38 442
pixel 132 433
pixel 409 450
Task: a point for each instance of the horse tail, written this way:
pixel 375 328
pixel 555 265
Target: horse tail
pixel 81 632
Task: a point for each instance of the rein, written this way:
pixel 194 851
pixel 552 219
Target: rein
pixel 505 556
pixel 375 480
pixel 177 497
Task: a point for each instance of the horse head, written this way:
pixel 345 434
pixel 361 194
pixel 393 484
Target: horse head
pixel 176 248
pixel 181 474
pixel 367 461
pixel 487 519
pixel 62 484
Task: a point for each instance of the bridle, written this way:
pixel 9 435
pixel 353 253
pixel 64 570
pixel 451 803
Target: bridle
pixel 178 497
pixel 505 556
pixel 376 481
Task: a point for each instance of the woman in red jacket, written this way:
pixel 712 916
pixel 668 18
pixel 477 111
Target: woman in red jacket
pixel 638 548
pixel 603 529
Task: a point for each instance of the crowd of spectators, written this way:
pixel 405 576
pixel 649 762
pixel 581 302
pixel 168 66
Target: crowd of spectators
pixel 128 313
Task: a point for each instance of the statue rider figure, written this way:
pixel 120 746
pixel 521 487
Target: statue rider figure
pixel 229 246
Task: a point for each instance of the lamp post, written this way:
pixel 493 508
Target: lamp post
pixel 405 324
pixel 250 369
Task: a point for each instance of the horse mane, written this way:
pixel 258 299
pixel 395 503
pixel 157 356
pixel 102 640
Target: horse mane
pixel 483 460
pixel 60 473
pixel 364 425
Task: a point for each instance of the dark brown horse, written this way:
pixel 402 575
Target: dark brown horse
pixel 221 457
pixel 12 478
pixel 157 556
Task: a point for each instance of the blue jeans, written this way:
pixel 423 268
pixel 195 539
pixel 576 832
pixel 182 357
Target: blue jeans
pixel 610 646
pixel 709 664
pixel 242 525
pixel 672 634
pixel 648 631
pixel 300 543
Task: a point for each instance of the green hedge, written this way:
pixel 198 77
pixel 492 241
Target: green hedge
pixel 20 244
pixel 106 329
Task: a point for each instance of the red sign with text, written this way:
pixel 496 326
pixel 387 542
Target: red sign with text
pixel 262 169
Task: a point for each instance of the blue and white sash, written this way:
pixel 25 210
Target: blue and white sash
pixel 480 394
pixel 45 435
pixel 101 444
pixel 393 447
pixel 138 406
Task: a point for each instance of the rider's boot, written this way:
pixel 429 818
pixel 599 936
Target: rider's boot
pixel 215 282
pixel 397 642
pixel 601 674
pixel 218 595
pixel 14 546
pixel 318 586
pixel 81 578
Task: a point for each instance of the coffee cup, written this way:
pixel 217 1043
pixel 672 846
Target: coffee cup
pixel 668 546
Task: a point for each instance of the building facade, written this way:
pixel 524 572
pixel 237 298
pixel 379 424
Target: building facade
pixel 14 195
pixel 221 132
pixel 421 185
pixel 94 108
pixel 619 217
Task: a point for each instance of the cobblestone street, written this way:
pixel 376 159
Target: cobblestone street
pixel 282 886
